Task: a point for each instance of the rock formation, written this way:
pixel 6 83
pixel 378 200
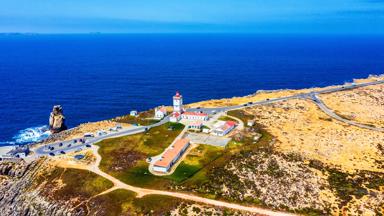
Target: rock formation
pixel 57 120
pixel 19 196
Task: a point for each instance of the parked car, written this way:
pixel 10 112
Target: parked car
pixel 89 135
pixel 62 152
pixel 74 141
pixel 69 145
pixel 52 154
pixel 245 104
pixel 60 144
pixel 250 102
pixel 89 146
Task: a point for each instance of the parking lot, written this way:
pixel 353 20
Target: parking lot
pixel 200 138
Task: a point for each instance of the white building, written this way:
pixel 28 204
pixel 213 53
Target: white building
pixel 195 116
pixel 171 156
pixel 160 112
pixel 195 125
pixel 133 113
pixel 175 117
pixel 178 103
pixel 222 128
pixel 177 107
pixel 250 123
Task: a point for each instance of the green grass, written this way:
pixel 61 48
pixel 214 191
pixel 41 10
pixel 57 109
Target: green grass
pixel 226 118
pixel 123 202
pixel 66 184
pixel 124 157
pixel 143 118
pixel 204 181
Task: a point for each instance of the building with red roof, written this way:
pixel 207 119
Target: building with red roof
pixel 171 155
pixel 223 128
pixel 195 116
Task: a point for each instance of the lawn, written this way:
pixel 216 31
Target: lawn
pixel 72 184
pixel 123 202
pixel 125 157
pixel 143 118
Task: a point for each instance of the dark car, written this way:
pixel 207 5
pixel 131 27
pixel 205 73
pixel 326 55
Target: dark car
pixel 62 152
pixel 197 107
pixel 51 148
pixel 60 144
pixel 267 99
pixel 245 104
pixel 250 102
pixel 74 141
pixel 69 145
pixel 52 154
pixel 89 146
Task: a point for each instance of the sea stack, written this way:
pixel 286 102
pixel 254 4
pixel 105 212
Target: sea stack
pixel 57 120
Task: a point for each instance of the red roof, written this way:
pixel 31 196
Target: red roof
pixel 171 153
pixel 196 124
pixel 231 123
pixel 178 95
pixel 176 114
pixel 195 114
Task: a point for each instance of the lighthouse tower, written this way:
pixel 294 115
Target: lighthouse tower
pixel 178 103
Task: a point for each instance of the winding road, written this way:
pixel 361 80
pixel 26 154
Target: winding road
pixel 332 114
pixel 144 191
pixel 43 150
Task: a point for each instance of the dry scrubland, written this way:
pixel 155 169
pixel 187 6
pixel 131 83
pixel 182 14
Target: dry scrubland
pixel 79 131
pixel 364 105
pixel 305 162
pixel 317 165
pixel 302 128
pixel 42 188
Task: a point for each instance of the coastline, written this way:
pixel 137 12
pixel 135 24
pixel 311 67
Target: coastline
pixel 258 95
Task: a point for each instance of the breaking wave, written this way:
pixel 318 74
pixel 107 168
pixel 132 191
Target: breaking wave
pixel 29 135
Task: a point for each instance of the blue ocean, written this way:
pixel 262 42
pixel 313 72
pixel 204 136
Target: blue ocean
pixel 97 76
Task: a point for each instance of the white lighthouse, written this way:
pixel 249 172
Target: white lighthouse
pixel 178 103
pixel 177 107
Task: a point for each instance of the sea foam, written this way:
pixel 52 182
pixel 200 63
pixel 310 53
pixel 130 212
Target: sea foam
pixel 31 134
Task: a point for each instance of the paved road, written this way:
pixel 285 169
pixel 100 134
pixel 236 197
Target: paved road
pixel 44 151
pixel 330 112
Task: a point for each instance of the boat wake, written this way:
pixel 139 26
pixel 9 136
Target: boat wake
pixel 29 135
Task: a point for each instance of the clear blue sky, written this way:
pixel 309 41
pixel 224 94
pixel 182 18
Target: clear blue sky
pixel 244 16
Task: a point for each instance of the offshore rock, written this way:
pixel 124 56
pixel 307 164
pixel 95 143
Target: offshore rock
pixel 57 120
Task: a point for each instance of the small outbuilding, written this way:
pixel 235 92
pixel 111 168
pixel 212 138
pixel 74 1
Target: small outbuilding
pixel 133 113
pixel 160 112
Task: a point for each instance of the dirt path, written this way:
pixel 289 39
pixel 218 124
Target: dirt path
pixel 143 191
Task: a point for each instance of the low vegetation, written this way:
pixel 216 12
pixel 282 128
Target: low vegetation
pixel 71 185
pixel 143 118
pixel 125 157
pixel 122 202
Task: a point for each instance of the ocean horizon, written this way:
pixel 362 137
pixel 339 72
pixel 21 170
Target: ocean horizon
pixel 101 76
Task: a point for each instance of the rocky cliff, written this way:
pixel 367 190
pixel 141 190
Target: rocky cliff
pixel 18 194
pixel 57 120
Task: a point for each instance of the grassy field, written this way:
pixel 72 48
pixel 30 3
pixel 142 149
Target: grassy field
pixel 72 184
pixel 125 157
pixel 202 181
pixel 143 118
